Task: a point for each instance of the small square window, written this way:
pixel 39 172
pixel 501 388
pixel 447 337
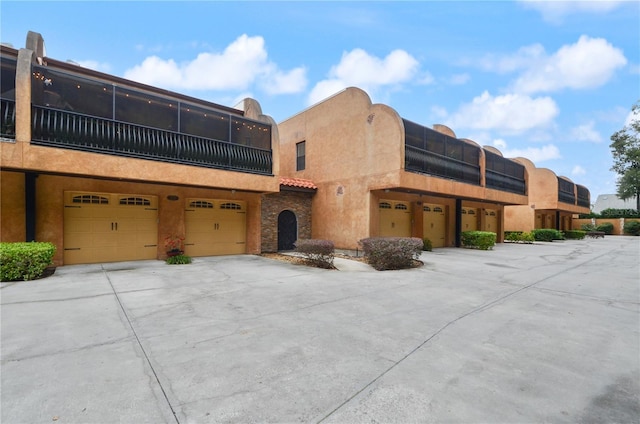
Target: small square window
pixel 300 156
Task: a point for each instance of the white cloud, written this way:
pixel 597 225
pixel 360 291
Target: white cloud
pixel 588 63
pixel 459 79
pixel 500 143
pixel 578 170
pixel 243 63
pixel 510 113
pixel 280 82
pixel 426 79
pixel 534 154
pixel 585 132
pixel 525 57
pixel 93 64
pixel 555 11
pixel 359 68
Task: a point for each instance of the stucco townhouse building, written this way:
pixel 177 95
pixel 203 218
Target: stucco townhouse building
pixel 106 169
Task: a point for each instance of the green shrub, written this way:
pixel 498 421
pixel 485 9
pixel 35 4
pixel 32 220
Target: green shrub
pixel 518 237
pixel 25 261
pixel 605 227
pixel 483 240
pixel 318 252
pixel 632 228
pixel 384 253
pixel 179 260
pixel 426 245
pixel 547 234
pixel 574 234
pixel 589 227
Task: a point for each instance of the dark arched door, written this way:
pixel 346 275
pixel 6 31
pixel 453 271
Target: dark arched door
pixel 287 230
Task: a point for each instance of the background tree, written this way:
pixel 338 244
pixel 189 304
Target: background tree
pixel 625 147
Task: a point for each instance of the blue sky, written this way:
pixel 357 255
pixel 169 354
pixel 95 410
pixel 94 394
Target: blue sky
pixel 550 81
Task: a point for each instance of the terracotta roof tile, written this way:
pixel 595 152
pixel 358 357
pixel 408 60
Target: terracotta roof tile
pixel 297 182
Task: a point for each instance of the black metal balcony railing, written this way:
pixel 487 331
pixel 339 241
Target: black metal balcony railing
pixel 503 182
pixel 53 127
pixel 8 117
pixel 422 161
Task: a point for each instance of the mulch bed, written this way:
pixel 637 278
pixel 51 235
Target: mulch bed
pixel 297 260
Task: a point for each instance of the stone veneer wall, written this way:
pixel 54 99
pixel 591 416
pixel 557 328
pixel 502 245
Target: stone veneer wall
pixel 272 204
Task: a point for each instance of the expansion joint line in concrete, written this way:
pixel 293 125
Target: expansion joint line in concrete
pixel 478 309
pixel 144 352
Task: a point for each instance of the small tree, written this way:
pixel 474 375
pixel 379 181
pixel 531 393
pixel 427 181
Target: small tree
pixel 625 147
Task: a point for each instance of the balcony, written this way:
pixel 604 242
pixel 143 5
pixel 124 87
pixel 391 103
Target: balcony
pixel 498 181
pixel 8 119
pixel 564 197
pixel 583 197
pixel 70 130
pixel 425 162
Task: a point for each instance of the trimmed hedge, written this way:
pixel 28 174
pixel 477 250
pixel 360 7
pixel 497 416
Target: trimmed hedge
pixel 483 240
pixel 25 261
pixel 605 227
pixel 574 234
pixel 547 234
pixel 319 252
pixel 385 253
pixel 518 237
pixel 632 228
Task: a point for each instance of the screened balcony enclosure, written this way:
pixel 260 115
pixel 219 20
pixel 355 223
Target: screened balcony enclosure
pixel 430 152
pixel 7 97
pixel 584 198
pixel 566 192
pixel 504 174
pixel 82 112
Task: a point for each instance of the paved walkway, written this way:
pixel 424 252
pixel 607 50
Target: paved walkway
pixel 521 334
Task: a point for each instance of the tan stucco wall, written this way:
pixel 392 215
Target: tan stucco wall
pixel 12 206
pixel 50 209
pixel 519 218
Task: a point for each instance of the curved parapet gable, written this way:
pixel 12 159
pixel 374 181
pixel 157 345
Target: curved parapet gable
pixel 444 130
pixel 493 150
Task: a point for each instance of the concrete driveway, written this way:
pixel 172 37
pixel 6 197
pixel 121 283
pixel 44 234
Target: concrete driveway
pixel 547 332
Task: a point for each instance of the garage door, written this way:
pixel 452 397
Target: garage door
pixel 109 227
pixel 215 227
pixel 491 220
pixel 395 218
pixel 434 224
pixel 469 219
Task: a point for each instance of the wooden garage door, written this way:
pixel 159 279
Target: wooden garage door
pixel 434 224
pixel 469 219
pixel 215 227
pixel 109 227
pixel 395 218
pixel 491 220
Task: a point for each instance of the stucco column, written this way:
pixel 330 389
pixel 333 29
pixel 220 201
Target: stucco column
pixel 23 95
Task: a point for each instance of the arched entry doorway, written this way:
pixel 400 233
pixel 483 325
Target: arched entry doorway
pixel 287 230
